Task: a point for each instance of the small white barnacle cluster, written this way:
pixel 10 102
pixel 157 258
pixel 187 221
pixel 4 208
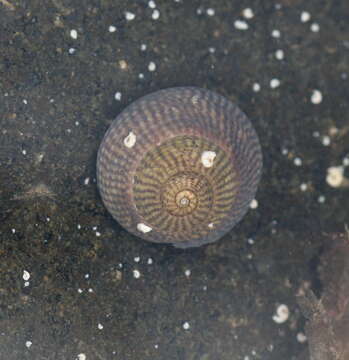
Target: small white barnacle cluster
pixel 207 158
pixel 130 140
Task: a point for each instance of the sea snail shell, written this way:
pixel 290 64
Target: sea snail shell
pixel 179 166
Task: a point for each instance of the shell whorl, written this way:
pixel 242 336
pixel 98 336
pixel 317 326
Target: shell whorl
pixel 179 166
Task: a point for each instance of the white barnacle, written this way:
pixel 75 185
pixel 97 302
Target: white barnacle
pixel 210 225
pixel 130 140
pixel 143 228
pixel 282 314
pixel 207 158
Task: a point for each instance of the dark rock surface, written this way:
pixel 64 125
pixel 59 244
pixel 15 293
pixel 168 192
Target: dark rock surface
pixel 71 283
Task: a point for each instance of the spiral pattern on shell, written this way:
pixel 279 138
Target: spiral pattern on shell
pixel 179 166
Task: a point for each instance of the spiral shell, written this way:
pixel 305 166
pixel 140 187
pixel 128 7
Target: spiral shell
pixel 179 166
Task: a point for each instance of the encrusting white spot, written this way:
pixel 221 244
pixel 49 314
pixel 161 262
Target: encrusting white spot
pixel 282 314
pixel 207 158
pixel 143 228
pixel 210 225
pixel 130 140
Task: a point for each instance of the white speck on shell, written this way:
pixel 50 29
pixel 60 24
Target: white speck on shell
pixel 28 344
pixel 112 28
pixel 152 4
pixel 210 225
pixel 100 326
pixel 81 356
pixel 240 25
pixel 187 273
pixel 207 158
pixel 282 314
pixel 316 97
pixel 143 228
pixel 130 140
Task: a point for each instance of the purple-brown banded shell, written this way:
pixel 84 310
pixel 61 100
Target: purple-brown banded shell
pixel 179 166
